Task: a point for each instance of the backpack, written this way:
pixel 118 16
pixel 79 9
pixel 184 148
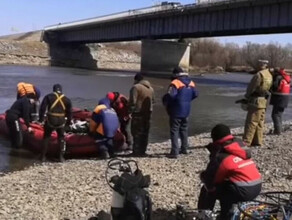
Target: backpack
pixel 137 205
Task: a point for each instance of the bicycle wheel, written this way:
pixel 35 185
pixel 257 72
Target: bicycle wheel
pixel 282 199
pixel 268 206
pixel 257 211
pixel 278 198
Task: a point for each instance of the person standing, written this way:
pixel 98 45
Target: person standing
pixel 120 104
pixel 231 175
pixel 177 101
pixel 257 94
pixel 103 126
pixel 280 97
pixel 59 114
pixel 140 107
pixel 21 108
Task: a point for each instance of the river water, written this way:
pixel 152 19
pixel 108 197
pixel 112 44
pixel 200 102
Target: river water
pixel 215 103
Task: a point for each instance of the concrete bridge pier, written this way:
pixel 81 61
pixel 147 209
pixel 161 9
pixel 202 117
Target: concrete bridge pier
pixel 160 57
pixel 71 55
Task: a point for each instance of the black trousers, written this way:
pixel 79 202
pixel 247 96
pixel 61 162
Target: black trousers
pixel 228 194
pixel 125 129
pixel 277 119
pixel 140 126
pixel 15 130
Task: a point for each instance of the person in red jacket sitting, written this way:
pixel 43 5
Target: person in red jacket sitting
pixel 120 104
pixel 231 175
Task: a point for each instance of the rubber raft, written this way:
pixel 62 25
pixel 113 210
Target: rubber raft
pixel 77 145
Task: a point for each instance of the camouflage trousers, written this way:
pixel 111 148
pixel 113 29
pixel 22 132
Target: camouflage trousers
pixel 140 126
pixel 254 127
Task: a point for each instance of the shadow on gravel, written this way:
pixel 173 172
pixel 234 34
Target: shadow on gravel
pixel 159 214
pixel 162 214
pixel 197 147
pixel 159 155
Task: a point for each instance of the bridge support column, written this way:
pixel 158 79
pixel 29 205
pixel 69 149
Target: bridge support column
pixel 72 55
pixel 160 57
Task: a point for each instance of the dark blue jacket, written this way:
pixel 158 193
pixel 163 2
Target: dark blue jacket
pixel 105 101
pixel 109 121
pixel 178 99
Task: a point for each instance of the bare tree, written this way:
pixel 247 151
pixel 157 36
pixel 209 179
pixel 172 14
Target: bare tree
pixel 277 55
pixel 231 55
pixel 252 52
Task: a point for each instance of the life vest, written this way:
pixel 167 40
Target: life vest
pixel 180 105
pixel 120 105
pixel 57 102
pixel 179 84
pixel 104 121
pixel 284 85
pixel 267 81
pixel 25 89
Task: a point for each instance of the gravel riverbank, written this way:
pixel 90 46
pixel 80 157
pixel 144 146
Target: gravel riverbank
pixel 77 189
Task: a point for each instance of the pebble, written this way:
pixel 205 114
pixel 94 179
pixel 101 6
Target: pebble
pixel 77 189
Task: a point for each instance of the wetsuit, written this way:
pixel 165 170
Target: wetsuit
pixel 21 108
pixel 59 112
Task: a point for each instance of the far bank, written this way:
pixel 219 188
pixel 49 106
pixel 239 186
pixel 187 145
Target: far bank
pixel 26 49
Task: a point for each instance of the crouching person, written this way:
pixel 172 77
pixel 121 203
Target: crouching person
pixel 103 126
pixel 21 108
pixel 231 176
pixel 31 92
pixel 59 114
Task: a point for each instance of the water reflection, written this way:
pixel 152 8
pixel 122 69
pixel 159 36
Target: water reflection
pixel 214 105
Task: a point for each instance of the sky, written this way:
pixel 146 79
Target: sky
pixel 18 16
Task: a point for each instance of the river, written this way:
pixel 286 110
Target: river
pixel 215 103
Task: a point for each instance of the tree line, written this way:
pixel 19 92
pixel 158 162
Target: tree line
pixel 212 53
pixel 209 53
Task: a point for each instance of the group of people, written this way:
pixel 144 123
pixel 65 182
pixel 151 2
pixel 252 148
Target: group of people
pixel 56 106
pixel 230 176
pixel 113 112
pixel 116 111
pixel 267 84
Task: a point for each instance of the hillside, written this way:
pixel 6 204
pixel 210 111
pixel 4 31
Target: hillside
pixel 26 49
pixel 28 36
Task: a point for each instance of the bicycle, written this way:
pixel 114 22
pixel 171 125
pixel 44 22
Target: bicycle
pixel 267 206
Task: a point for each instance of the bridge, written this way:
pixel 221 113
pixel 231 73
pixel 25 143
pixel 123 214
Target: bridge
pixel 173 21
pixel 224 18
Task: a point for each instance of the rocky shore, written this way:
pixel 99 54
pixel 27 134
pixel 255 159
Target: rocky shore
pixel 27 49
pixel 77 189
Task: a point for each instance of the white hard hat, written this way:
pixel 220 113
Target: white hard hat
pixel 264 61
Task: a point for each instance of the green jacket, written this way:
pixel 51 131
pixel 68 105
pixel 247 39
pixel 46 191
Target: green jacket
pixel 257 91
pixel 141 97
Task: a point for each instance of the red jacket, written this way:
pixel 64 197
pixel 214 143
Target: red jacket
pixel 230 162
pixel 284 85
pixel 120 105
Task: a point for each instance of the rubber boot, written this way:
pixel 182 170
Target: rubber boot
pixel 62 150
pixel 45 149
